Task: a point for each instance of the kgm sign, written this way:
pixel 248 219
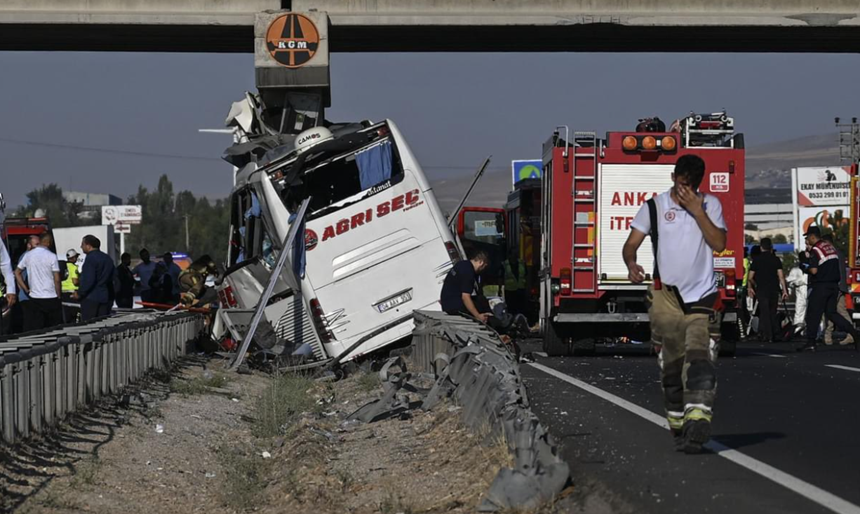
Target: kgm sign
pixel 292 40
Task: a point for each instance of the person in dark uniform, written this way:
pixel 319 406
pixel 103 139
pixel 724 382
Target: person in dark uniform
pixel 824 276
pixel 96 290
pixel 125 295
pixel 766 279
pixel 458 290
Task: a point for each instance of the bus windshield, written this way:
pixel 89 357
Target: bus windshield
pixel 336 170
pixel 350 174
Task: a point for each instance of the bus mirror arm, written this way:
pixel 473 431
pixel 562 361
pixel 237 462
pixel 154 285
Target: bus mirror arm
pixel 478 174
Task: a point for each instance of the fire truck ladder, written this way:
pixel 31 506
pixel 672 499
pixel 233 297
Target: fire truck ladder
pixel 584 191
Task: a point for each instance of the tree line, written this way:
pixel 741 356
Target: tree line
pixel 164 219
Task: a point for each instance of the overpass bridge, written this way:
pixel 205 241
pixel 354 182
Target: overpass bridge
pixel 441 25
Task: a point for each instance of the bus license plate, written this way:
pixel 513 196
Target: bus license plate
pixel 394 302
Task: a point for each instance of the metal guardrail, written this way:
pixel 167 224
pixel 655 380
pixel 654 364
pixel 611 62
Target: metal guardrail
pixel 474 367
pixel 46 375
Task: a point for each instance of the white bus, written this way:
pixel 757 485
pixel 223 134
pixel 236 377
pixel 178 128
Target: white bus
pixel 377 246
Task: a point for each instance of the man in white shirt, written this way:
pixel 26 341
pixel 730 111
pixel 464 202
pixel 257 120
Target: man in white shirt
pixel 6 266
pixel 44 308
pixel 683 297
pixel 8 282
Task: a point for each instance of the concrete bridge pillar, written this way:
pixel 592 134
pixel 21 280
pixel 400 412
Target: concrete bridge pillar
pixel 291 61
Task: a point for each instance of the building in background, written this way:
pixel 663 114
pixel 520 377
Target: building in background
pixel 769 213
pixel 91 202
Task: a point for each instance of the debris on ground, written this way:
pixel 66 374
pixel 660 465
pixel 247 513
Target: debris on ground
pixel 286 445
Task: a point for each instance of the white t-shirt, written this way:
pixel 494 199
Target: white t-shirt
pixel 40 264
pixel 684 257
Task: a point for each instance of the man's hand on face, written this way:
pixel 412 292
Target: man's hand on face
pixel 690 200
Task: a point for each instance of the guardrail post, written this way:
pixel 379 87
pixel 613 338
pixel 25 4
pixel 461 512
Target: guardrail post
pixel 22 398
pixel 7 403
pixel 35 404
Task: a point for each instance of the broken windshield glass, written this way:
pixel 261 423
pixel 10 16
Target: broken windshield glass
pixel 329 178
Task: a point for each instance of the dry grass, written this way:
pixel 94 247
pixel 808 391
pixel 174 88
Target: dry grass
pixel 246 476
pixel 283 402
pixel 198 385
pixel 369 381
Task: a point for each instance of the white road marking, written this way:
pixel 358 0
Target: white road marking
pixel 541 354
pixel 775 355
pixel 805 489
pixel 847 368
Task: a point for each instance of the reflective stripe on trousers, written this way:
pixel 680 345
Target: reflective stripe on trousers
pixel 688 337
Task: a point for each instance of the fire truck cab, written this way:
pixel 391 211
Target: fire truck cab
pixel 591 190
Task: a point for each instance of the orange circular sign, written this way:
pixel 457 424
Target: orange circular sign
pixel 292 40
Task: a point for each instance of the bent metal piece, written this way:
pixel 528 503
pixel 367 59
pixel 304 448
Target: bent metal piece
pixel 273 278
pixel 475 368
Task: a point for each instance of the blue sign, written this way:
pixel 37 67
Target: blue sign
pixel 526 169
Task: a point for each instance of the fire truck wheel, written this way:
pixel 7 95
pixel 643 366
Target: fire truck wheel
pixel 553 344
pixel 729 335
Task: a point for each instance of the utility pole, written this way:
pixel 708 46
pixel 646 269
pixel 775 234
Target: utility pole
pixel 187 244
pixel 849 140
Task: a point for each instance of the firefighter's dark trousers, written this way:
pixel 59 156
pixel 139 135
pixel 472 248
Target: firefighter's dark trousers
pixel 687 338
pixel 822 301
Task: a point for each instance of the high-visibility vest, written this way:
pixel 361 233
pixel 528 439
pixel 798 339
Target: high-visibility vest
pixel 68 284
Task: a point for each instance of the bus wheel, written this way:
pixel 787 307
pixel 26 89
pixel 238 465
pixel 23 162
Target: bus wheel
pixel 553 344
pixel 583 347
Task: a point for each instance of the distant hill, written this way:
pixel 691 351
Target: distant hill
pixel 767 167
pixel 491 191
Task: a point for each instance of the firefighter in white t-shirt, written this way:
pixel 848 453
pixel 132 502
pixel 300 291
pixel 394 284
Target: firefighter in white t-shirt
pixel 684 297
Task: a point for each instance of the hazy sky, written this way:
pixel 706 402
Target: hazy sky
pixel 453 108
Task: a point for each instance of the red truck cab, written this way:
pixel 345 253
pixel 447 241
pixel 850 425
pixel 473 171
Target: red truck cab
pixel 591 190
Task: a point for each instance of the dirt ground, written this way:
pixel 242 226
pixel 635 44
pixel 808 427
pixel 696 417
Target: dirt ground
pixel 202 439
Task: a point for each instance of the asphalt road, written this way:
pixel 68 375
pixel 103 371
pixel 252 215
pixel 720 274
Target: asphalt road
pixel 791 420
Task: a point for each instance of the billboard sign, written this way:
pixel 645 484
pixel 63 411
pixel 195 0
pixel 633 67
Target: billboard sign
pixel 823 186
pixel 125 214
pixel 819 193
pixel 822 217
pixel 526 169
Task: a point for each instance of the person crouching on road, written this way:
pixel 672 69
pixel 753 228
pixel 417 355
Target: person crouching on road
pixel 96 290
pixel 459 288
pixel 824 276
pixel 683 298
pixel 192 283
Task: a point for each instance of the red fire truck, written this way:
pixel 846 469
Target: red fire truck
pixel 853 302
pixel 591 190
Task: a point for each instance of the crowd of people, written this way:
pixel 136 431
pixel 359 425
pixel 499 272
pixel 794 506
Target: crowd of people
pixel 818 283
pixel 39 294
